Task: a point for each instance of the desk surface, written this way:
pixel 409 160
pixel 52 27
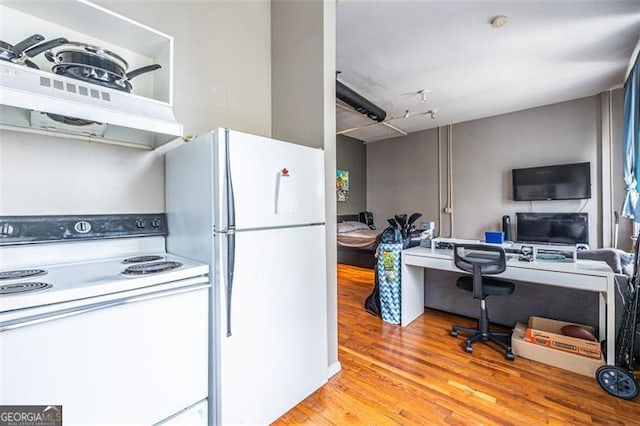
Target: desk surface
pixel 581 267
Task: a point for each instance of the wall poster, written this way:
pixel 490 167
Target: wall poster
pixel 342 185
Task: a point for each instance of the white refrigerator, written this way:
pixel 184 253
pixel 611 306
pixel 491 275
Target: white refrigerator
pixel 253 208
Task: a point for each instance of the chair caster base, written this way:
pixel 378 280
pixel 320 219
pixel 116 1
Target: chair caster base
pixel 454 333
pixel 510 356
pixel 468 349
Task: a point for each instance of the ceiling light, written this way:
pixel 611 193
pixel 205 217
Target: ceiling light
pixel 423 95
pixel 499 21
pixel 406 114
pixel 432 114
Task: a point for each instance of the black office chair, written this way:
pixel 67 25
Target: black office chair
pixel 482 260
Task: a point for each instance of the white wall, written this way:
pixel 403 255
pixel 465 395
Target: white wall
pixel 40 175
pixel 219 45
pixel 222 59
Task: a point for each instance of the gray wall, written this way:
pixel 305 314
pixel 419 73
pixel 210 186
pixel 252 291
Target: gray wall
pixel 402 176
pixel 45 175
pixel 351 155
pixel 402 173
pixel 485 151
pixel 303 105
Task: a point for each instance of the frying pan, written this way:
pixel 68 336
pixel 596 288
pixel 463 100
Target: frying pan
pixel 13 53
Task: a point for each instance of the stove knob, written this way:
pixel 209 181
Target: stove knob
pixel 156 223
pixel 140 223
pixel 6 230
pixel 82 227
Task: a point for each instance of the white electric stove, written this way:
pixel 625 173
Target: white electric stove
pixel 95 316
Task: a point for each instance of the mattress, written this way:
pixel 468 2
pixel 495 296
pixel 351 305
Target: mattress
pixel 362 238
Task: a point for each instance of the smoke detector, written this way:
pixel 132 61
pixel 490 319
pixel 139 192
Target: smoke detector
pixel 499 21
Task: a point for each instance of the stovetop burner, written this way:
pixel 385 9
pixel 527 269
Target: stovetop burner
pixel 22 273
pixel 26 287
pixel 151 268
pixel 140 259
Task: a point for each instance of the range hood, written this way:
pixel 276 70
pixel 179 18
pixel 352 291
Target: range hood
pixel 36 101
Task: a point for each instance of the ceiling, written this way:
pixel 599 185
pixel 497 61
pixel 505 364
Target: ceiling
pixel 547 52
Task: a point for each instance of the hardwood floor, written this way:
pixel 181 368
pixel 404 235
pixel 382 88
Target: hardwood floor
pixel 420 375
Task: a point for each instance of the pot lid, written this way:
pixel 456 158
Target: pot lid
pixel 77 46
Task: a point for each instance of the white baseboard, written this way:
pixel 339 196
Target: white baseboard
pixel 334 369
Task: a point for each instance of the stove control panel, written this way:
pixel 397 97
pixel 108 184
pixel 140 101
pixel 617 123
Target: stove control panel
pixel 42 229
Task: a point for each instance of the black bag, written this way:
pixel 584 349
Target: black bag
pixel 372 304
pixel 406 227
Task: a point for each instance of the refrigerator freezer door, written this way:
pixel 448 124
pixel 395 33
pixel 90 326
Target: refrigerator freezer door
pixel 277 353
pixel 274 183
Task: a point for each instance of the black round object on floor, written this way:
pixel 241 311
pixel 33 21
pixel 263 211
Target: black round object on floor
pixel 617 381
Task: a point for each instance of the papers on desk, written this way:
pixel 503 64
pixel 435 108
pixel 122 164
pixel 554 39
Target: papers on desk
pixel 543 252
pixel 447 243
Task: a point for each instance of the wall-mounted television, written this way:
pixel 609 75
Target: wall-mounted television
pixel 559 182
pixel 553 228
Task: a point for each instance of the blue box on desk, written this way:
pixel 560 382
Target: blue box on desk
pixel 494 237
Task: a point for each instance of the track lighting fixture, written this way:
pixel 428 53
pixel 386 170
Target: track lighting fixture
pixel 423 95
pixel 432 114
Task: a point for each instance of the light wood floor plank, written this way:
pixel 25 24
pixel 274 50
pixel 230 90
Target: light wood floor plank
pixel 420 375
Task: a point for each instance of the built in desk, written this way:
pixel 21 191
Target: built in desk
pixel 582 275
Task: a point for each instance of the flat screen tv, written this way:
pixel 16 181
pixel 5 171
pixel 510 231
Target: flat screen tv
pixel 559 182
pixel 552 228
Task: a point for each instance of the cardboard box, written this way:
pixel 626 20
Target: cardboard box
pixel 548 332
pixel 565 360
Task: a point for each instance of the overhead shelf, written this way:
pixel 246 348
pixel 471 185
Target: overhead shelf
pixel 83 21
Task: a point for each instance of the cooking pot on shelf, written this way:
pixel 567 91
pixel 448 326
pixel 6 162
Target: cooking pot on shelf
pixel 27 48
pixel 94 64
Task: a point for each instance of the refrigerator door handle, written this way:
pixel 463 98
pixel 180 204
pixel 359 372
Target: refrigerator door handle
pixel 231 227
pixel 231 255
pixel 231 206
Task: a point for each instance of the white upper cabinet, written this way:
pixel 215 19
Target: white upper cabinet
pixel 87 96
pixel 85 22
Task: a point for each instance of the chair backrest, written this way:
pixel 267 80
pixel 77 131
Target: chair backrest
pixel 479 259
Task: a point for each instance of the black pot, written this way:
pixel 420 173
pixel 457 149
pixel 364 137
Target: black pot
pixel 95 65
pixel 102 77
pixel 76 58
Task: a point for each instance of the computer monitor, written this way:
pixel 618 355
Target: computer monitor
pixel 552 228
